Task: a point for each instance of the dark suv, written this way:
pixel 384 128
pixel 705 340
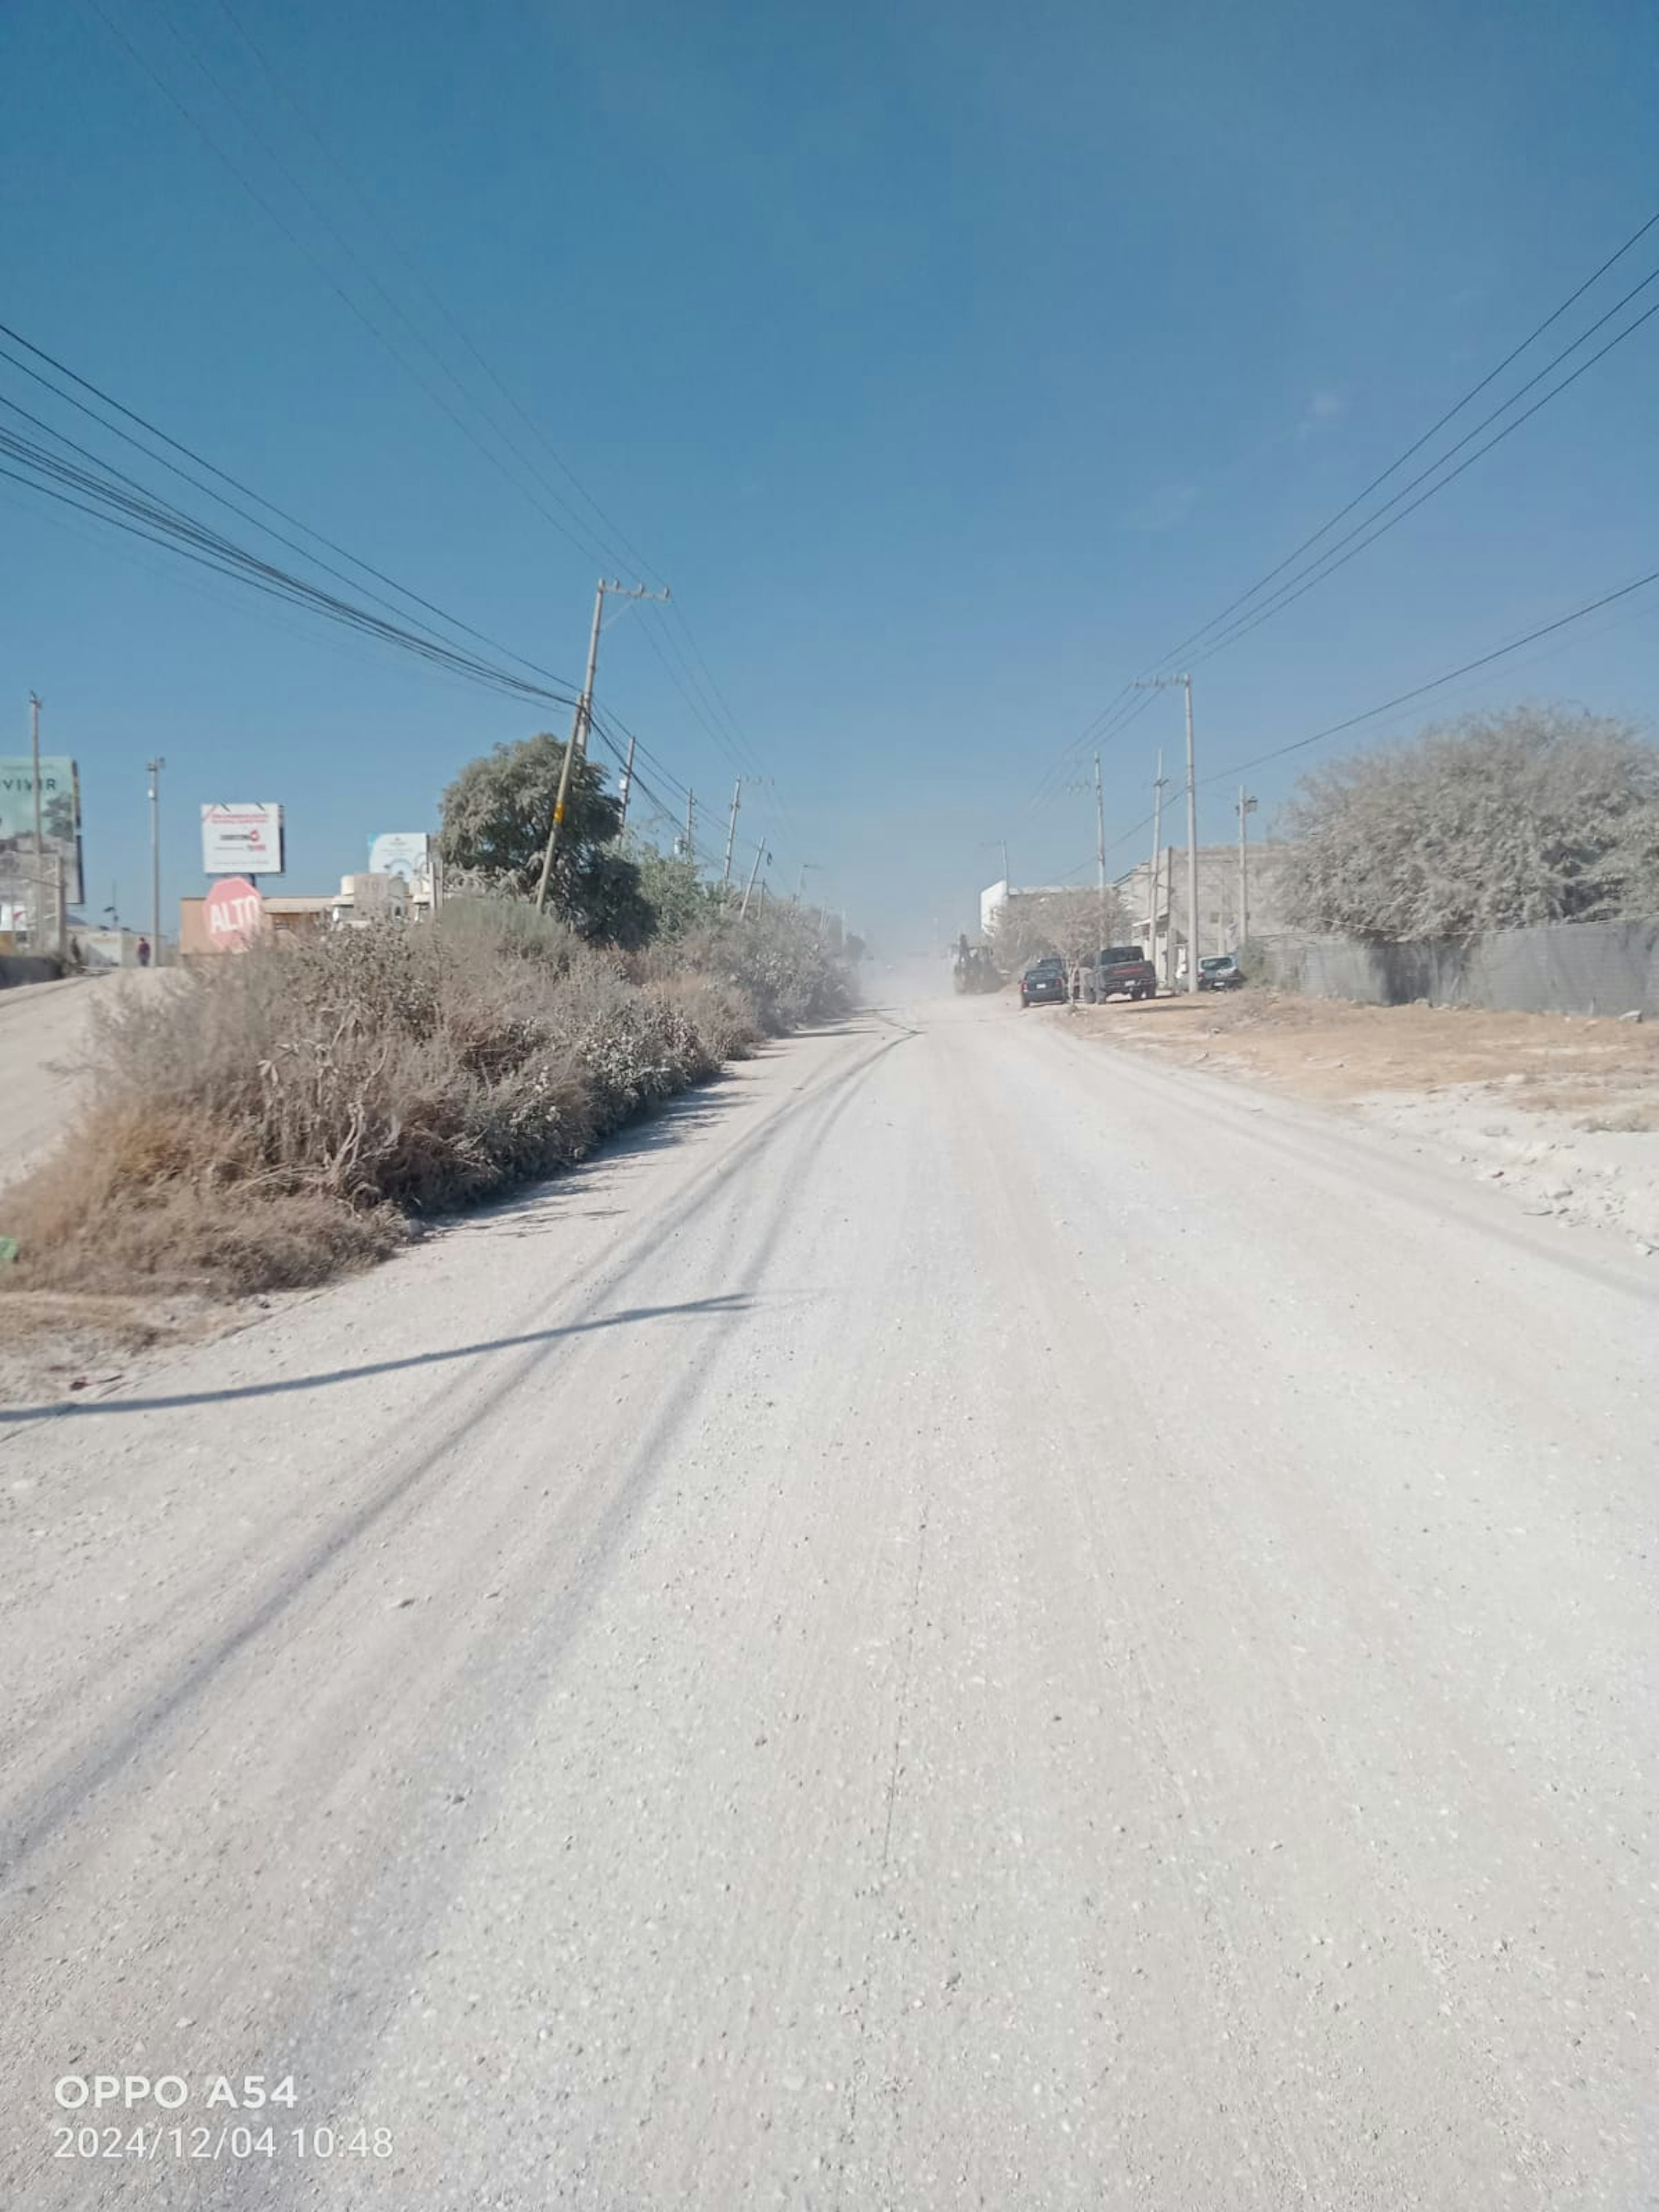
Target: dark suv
pixel 1124 968
pixel 1045 985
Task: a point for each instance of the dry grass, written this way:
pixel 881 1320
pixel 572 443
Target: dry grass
pixel 273 1121
pixel 1603 1070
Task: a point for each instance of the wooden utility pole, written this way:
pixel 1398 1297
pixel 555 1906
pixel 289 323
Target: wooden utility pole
pixel 580 724
pixel 732 832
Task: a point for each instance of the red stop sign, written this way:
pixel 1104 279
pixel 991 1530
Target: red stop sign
pixel 233 913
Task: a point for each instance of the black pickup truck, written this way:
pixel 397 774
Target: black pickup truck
pixel 1121 971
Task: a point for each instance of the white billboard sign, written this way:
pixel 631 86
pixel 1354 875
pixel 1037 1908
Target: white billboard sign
pixel 242 840
pixel 405 853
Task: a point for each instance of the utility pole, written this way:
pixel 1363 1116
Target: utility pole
pixel 1246 808
pixel 1100 848
pixel 748 889
pixel 154 769
pixel 627 786
pixel 38 893
pixel 582 724
pixel 34 754
pixel 732 832
pixel 800 881
pixel 1100 845
pixel 691 826
pixel 1163 683
pixel 1158 782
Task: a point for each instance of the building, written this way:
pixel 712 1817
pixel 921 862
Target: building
pixel 1162 927
pixel 996 899
pixel 303 916
pixel 360 900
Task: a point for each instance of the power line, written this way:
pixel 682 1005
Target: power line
pixel 1097 728
pixel 353 306
pixel 633 557
pixel 119 500
pixel 200 460
pixel 734 744
pixel 1324 566
pixel 1433 430
pixel 1400 699
pixel 1417 691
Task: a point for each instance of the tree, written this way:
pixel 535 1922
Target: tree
pixel 673 888
pixel 1531 814
pixel 494 820
pixel 1075 924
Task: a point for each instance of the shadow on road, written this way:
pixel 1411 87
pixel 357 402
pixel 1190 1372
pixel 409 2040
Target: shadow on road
pixel 729 1302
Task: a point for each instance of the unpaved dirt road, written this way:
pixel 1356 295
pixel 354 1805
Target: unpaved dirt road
pixel 44 1032
pixel 962 1621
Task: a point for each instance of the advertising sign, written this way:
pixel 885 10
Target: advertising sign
pixel 405 853
pixel 233 913
pixel 246 840
pixel 60 826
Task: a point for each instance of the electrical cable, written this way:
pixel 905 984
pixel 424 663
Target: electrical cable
pixel 1325 566
pixel 1417 691
pixel 200 460
pixel 1101 719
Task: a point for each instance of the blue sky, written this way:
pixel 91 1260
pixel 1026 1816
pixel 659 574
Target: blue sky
pixel 950 363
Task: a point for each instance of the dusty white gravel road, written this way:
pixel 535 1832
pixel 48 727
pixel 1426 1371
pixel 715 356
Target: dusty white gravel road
pixel 960 1621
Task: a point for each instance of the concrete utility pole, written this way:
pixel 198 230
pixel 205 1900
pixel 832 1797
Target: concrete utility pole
pixel 154 769
pixel 34 754
pixel 1246 808
pixel 1158 782
pixel 749 887
pixel 582 724
pixel 732 832
pixel 627 786
pixel 1100 848
pixel 1163 683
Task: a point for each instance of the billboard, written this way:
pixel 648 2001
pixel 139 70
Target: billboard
pixel 405 853
pixel 242 840
pixel 60 826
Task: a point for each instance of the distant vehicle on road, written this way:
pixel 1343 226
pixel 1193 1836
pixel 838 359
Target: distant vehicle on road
pixel 1044 984
pixel 974 970
pixel 1121 971
pixel 1220 972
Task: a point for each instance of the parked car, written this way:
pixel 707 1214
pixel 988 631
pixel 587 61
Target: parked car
pixel 1220 972
pixel 1044 984
pixel 1121 971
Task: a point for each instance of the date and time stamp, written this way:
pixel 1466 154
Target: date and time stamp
pixel 151 2119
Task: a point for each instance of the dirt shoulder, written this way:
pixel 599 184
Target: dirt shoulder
pixel 1562 1111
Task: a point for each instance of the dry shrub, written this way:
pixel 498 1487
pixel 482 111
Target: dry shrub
pixel 270 1120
